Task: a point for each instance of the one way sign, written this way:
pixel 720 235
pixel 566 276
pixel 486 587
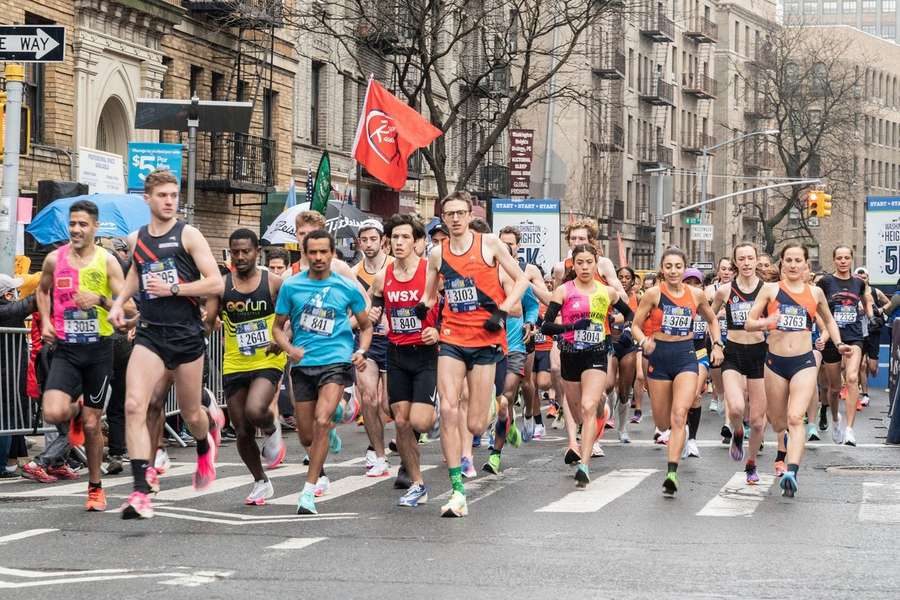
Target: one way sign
pixel 33 43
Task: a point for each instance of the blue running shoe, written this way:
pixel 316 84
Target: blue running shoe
pixel 338 415
pixel 737 445
pixel 468 469
pixel 306 505
pixel 417 494
pixel 334 442
pixel 476 441
pixel 788 484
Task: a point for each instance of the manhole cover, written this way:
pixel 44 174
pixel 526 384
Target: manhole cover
pixel 863 469
pixel 17 499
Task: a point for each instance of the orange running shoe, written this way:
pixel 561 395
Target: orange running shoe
pixel 76 427
pixel 601 422
pixel 96 500
pixel 552 411
pixel 780 468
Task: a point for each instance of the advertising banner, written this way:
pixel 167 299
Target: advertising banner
pixel 145 157
pixel 537 221
pixel 521 150
pixel 883 239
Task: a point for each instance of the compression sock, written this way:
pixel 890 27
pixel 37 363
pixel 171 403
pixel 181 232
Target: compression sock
pixel 780 455
pixel 94 486
pixel 693 421
pixel 322 471
pixel 672 467
pixel 456 481
pixel 538 419
pixel 793 469
pixel 138 471
pixel 202 446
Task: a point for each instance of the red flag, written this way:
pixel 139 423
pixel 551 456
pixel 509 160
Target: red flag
pixel 389 131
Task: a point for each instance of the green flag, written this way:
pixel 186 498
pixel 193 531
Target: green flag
pixel 322 187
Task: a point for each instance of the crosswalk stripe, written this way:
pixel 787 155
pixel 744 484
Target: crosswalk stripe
pixel 881 503
pixel 80 488
pixel 600 492
pixel 343 486
pixel 225 483
pixel 296 543
pixel 24 534
pixel 736 498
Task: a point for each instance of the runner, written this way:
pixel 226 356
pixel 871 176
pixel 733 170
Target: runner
pixel 370 383
pixel 173 268
pixel 672 373
pixel 412 348
pixel 585 231
pixel 694 278
pixel 472 337
pixel 624 356
pixel 792 306
pixel 872 342
pixel 252 364
pixel 541 373
pixel 723 277
pixel 317 302
pixel 583 304
pixel 77 284
pixel 745 353
pixel 845 292
pixel 278 261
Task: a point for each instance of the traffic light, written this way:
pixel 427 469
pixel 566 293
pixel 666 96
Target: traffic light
pixel 826 204
pixel 814 204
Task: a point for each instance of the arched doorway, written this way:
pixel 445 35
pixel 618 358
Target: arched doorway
pixel 112 128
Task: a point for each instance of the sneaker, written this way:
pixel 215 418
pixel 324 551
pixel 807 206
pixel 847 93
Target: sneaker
pixel 812 435
pixel 849 438
pixel 392 445
pixel 670 485
pixel 218 418
pixel 334 441
pixel 538 432
pixel 725 432
pixel 552 411
pixel 492 465
pixel 402 480
pixel 96 500
pixel 788 485
pixel 306 459
pixel 371 459
pixel 456 506
pixel 379 469
pixel 714 405
pixel 663 438
pixel 528 430
pixel 559 421
pixel 322 485
pixel 288 423
pixel 864 400
pixel 416 494
pixel 837 432
pixel 602 421
pixel 611 423
pixel 752 475
pixel 360 422
pixel 780 468
pixel 636 417
pixel 736 451
pixel 512 435
pixel 476 441
pixel 206 468
pixel 7 474
pixel 114 466
pixel 572 457
pixel 161 462
pixel 823 418
pixel 151 475
pixel 273 449
pixel 63 471
pixel 693 450
pixel 259 493
pixel 624 437
pixel 306 504
pixel 137 506
pixel 468 469
pixel 228 433
pixel 76 427
pixel 582 477
pixel 351 410
pixel 597 451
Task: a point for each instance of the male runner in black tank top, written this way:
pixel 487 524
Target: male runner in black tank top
pixel 173 270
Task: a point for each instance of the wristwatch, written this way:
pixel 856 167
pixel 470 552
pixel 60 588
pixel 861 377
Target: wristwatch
pixel 174 289
pixel 719 344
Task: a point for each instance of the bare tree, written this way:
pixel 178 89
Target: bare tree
pixel 808 85
pixel 468 65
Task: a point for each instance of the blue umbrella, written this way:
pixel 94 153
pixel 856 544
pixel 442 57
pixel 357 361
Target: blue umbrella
pixel 120 214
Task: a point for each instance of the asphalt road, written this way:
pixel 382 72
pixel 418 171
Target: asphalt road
pixel 529 533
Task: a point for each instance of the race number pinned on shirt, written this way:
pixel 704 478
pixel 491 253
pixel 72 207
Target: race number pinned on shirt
pixel 700 328
pixel 252 335
pixel 676 320
pixel 739 312
pixel 845 315
pixel 164 270
pixel 81 326
pixel 588 338
pixel 318 321
pixel 404 320
pixel 539 338
pixel 461 294
pixel 791 318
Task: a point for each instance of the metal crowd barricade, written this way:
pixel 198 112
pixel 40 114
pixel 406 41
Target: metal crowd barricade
pixel 212 381
pixel 18 415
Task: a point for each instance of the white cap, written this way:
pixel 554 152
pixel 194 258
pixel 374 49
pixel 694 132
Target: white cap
pixel 8 283
pixel 371 224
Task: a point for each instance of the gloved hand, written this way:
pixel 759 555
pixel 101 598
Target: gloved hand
pixel 421 311
pixel 496 321
pixel 581 324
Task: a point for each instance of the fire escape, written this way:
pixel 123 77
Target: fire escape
pixel 242 163
pixel 656 92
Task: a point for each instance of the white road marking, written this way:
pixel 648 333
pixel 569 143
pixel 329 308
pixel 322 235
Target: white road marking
pixel 296 543
pixel 274 519
pixel 226 483
pixel 881 503
pixel 599 492
pixel 342 487
pixel 49 578
pixel 24 534
pixel 737 499
pixel 44 574
pixel 80 488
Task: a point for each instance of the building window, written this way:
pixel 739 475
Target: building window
pixel 270 102
pixel 868 5
pixel 791 7
pixel 194 86
pixel 217 89
pixel 829 7
pixel 349 112
pixel 888 6
pixel 870 29
pixel 889 31
pixel 848 7
pixel 810 8
pixel 737 36
pixel 315 90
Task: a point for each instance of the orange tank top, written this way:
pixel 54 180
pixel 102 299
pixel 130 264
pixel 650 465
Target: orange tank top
pixel 672 316
pixel 796 312
pixel 472 290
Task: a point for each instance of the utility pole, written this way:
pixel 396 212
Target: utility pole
pixel 658 236
pixel 9 198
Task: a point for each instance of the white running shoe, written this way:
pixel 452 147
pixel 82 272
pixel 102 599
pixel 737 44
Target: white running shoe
pixel 321 486
pixel 692 449
pixel 379 469
pixel 597 451
pixel 663 439
pixel 714 405
pixel 624 437
pixel 261 491
pixel 837 431
pixel 528 429
pixel 161 462
pixel 273 448
pixel 849 438
pixel 539 431
pixel 371 459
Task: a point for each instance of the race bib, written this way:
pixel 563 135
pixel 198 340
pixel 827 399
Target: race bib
pixel 539 338
pixel 791 318
pixel 404 320
pixel 699 328
pixel 845 315
pixel 739 312
pixel 318 321
pixel 81 326
pixel 252 335
pixel 164 270
pixel 588 338
pixel 676 320
pixel 461 294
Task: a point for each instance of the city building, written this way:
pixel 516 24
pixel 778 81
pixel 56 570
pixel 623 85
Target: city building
pixel 875 17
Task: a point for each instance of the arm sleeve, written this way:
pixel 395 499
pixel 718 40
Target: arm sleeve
pixel 623 308
pixel 549 327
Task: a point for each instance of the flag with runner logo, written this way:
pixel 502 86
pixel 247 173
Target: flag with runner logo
pixel 322 187
pixel 389 131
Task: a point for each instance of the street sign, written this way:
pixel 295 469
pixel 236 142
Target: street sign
pixel 33 43
pixel 813 222
pixel 692 220
pixel 701 233
pixel 707 266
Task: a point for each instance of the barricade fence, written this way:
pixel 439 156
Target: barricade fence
pixel 19 415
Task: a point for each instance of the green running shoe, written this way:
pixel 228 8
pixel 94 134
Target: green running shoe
pixel 513 436
pixel 582 477
pixel 492 465
pixel 334 442
pixel 338 415
pixel 670 485
pixel 306 505
pixel 456 506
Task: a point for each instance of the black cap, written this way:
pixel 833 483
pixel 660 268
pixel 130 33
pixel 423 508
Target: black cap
pixel 439 227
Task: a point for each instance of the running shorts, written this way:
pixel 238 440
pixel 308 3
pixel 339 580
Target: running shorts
pixel 670 359
pixel 573 364
pixel 788 366
pixel 82 369
pixel 378 351
pixel 412 373
pixel 541 361
pixel 830 354
pixel 746 359
pixel 483 355
pixel 233 383
pixel 175 346
pixel 308 380
pixel 872 345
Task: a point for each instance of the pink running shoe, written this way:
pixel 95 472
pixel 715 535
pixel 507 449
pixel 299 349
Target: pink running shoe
pixel 63 471
pixel 218 417
pixel 273 451
pixel 138 506
pixel 206 468
pixel 152 477
pixel 36 472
